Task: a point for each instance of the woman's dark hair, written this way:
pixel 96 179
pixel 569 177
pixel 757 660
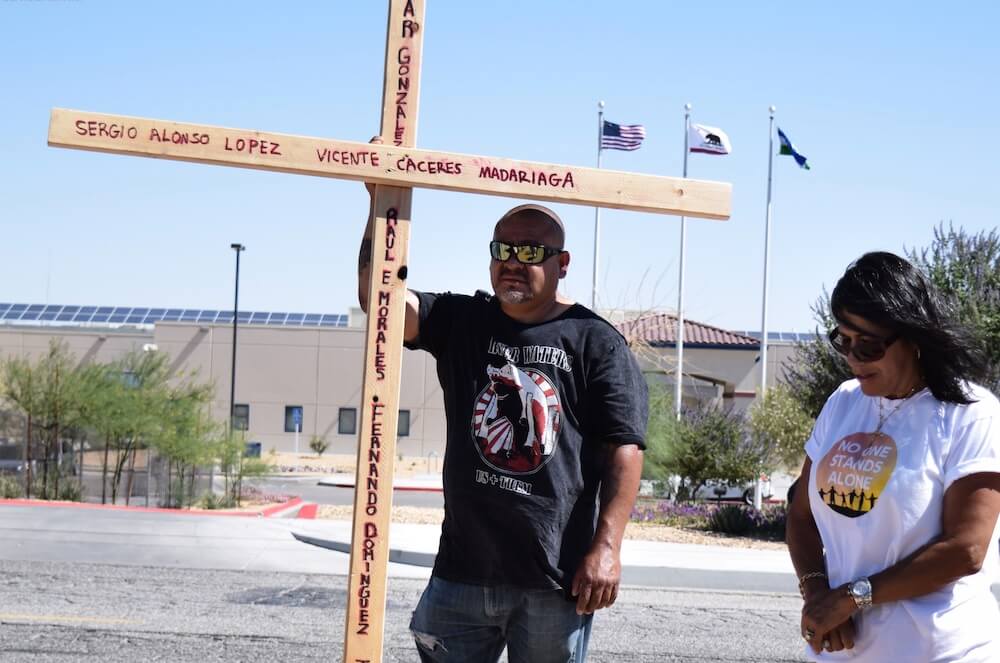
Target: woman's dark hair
pixel 890 292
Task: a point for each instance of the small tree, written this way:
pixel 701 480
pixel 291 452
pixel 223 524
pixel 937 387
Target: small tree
pixel 780 426
pixel 816 370
pixel 318 444
pixel 22 387
pixel 712 445
pixel 661 434
pixel 966 271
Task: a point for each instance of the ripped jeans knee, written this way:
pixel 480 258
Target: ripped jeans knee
pixel 428 643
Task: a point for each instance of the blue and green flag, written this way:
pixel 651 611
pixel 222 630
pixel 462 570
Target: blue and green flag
pixel 788 148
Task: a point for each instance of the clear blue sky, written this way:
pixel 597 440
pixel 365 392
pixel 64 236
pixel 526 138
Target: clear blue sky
pixel 894 103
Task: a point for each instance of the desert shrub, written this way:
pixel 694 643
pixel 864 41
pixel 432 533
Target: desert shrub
pixel 11 487
pixel 741 520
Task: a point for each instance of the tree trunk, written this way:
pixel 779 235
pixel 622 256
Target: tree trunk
pixel 45 470
pixel 131 477
pixel 123 454
pixel 194 468
pixel 170 467
pixel 27 461
pixel 104 473
pixel 79 478
pixel 55 479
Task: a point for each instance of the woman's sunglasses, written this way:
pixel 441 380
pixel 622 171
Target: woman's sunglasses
pixel 526 254
pixel 864 349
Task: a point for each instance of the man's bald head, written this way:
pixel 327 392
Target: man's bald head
pixel 555 232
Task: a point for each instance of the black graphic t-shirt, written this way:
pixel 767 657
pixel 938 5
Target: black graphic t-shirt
pixel 528 410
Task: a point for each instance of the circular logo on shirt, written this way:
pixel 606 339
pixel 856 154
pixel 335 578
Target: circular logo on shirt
pixel 852 475
pixel 516 419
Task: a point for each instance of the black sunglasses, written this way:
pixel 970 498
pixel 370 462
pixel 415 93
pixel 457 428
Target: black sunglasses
pixel 526 254
pixel 865 349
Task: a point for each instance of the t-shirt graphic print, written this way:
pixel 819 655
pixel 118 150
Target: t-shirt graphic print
pixel 516 419
pixel 852 475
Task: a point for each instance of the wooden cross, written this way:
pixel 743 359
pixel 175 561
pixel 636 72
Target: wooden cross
pixel 394 166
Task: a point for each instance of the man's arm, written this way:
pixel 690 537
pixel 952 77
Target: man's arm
pixel 412 324
pixel 596 581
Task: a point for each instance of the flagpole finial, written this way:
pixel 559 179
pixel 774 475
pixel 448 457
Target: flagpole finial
pixel 771 109
pixel 688 107
pixel 600 105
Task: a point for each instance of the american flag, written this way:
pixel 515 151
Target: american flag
pixel 622 136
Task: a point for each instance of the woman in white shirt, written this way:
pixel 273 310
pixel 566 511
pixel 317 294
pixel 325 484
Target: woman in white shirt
pixel 893 526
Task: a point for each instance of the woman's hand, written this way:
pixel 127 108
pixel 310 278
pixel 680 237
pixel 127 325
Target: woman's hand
pixel 826 615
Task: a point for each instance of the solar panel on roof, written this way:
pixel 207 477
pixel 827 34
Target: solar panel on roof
pixel 148 316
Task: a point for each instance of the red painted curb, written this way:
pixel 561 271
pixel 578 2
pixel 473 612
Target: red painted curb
pixel 308 511
pixel 271 510
pixel 143 509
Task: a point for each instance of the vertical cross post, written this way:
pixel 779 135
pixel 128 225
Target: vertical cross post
pixel 384 346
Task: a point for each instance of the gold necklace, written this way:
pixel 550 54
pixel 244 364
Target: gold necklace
pixel 882 417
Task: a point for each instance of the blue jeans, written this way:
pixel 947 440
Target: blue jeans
pixel 459 623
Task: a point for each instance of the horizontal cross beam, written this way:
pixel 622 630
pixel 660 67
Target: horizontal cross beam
pixel 388 164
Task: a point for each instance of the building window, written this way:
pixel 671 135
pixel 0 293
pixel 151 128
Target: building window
pixel 241 416
pixel 293 418
pixel 403 430
pixel 347 421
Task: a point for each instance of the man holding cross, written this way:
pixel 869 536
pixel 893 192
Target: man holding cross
pixel 546 410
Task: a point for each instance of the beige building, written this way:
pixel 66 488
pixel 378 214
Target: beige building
pixel 305 369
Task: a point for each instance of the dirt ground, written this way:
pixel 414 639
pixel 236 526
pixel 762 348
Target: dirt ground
pixel 330 463
pixel 638 531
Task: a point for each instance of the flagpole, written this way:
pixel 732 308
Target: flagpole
pixel 679 386
pixel 597 210
pixel 763 314
pixel 767 248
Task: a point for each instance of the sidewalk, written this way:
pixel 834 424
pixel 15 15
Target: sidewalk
pixel 419 482
pixel 643 562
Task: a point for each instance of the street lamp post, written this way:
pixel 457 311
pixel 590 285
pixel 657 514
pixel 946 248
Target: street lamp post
pixel 238 248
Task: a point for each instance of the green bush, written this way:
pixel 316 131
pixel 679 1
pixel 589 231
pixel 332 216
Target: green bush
pixel 69 491
pixel 211 502
pixel 11 487
pixel 743 520
pixel 69 488
pixel 318 445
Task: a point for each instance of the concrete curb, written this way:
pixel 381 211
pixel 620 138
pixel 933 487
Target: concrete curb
pixel 273 511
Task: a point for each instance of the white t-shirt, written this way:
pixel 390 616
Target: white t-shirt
pixel 876 498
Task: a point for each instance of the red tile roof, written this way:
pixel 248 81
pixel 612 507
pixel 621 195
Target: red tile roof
pixel 661 329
